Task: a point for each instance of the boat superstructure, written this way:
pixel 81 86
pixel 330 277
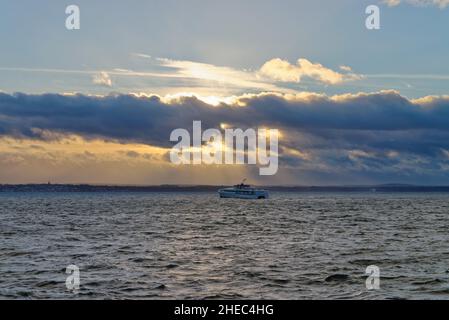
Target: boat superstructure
pixel 243 191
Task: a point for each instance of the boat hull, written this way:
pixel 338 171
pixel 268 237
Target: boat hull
pixel 243 194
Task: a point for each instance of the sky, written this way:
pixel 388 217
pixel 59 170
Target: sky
pixel 97 105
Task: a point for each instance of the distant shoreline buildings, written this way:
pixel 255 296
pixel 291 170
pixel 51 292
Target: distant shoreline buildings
pixel 389 188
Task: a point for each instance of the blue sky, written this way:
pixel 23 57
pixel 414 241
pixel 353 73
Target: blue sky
pixel 408 54
pixel 96 105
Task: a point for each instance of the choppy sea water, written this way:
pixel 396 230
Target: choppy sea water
pixel 197 246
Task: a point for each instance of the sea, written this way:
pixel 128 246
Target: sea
pixel 193 245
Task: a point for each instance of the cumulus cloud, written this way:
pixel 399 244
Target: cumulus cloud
pixel 102 79
pixel 282 70
pixel 219 75
pixel 168 76
pixel 151 117
pixel 372 134
pixel 272 71
pixel 439 3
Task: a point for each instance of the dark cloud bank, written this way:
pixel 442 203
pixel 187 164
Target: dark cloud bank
pixel 379 133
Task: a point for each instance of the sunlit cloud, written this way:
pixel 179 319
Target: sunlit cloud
pixel 219 76
pixel 102 79
pixel 297 153
pixel 439 3
pixel 275 70
pixel 282 70
pixel 346 68
pixel 368 136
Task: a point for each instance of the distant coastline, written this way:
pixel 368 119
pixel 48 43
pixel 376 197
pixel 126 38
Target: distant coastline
pixel 389 188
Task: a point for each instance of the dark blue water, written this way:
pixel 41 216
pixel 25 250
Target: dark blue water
pixel 196 246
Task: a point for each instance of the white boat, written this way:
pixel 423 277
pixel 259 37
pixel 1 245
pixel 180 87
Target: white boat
pixel 243 191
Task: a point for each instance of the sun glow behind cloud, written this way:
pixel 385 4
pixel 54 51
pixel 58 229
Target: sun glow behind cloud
pixel 73 159
pixel 125 138
pixel 165 76
pixel 272 71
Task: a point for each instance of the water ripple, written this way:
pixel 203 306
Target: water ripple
pixel 196 246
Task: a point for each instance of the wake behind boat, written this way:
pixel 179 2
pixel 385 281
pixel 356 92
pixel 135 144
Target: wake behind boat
pixel 243 191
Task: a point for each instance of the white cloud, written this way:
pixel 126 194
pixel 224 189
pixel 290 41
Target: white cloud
pixel 271 72
pixel 221 76
pixel 439 3
pixel 346 68
pixel 184 76
pixel 142 55
pixel 102 79
pixel 392 3
pixel 282 70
